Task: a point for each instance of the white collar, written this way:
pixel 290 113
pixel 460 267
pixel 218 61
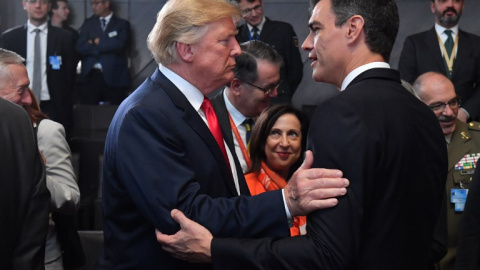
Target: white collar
pixel 43 27
pixel 359 70
pixel 259 26
pixel 193 95
pixel 237 116
pixel 440 30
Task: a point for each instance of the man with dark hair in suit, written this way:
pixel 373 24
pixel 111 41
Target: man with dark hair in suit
pixel 24 197
pixel 279 35
pixel 49 54
pixel 165 149
pixel 385 140
pixel 255 83
pixel 59 16
pixel 445 48
pixel 103 44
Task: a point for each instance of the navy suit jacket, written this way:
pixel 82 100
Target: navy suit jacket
pixel 421 53
pixel 59 81
pixel 283 38
pixel 24 197
pixel 160 155
pixel 391 148
pixel 111 52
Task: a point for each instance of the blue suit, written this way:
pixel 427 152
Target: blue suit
pixel 160 155
pixel 110 52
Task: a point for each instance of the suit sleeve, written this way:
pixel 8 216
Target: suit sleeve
pixel 472 105
pixel 407 65
pixel 468 253
pixel 83 46
pixel 165 167
pixel 333 235
pixel 117 42
pixel 61 182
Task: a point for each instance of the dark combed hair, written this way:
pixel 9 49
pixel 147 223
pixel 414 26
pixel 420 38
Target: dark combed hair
pixel 381 21
pixel 261 131
pixel 246 62
pixel 55 3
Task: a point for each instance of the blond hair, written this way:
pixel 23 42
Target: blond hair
pixel 185 21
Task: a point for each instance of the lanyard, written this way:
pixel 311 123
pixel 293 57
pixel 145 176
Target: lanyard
pixel 240 142
pixel 449 58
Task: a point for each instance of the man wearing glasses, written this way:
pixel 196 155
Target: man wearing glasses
pixel 463 141
pixel 49 54
pixel 257 77
pixel 279 35
pixel 102 45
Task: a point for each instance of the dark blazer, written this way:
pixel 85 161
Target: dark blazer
pixel 111 52
pixel 60 82
pixel 283 38
pixel 391 148
pixel 468 252
pixel 421 53
pixel 24 198
pixel 160 155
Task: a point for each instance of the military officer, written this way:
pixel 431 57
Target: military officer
pixel 463 141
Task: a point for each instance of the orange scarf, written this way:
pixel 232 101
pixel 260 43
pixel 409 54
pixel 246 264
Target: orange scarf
pixel 268 180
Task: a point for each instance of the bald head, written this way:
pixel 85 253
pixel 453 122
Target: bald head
pixel 438 92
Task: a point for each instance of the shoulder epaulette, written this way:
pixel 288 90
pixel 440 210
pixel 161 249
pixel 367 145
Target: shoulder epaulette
pixel 474 126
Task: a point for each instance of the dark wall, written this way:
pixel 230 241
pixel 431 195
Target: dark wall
pixel 415 16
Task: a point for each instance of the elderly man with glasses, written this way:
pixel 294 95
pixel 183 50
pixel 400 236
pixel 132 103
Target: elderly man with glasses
pixel 256 81
pixel 279 35
pixel 463 141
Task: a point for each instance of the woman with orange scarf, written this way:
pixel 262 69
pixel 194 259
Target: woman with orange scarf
pixel 277 142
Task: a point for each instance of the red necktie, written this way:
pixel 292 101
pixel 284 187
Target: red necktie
pixel 214 126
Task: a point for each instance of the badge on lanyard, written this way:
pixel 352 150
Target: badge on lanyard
pixel 55 61
pixel 458 197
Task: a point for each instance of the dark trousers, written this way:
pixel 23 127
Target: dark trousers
pixel 95 91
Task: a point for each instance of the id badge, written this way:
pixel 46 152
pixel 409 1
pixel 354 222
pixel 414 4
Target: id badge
pixel 55 61
pixel 458 197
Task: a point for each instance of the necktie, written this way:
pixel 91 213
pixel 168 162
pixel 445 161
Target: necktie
pixel 248 123
pixel 104 23
pixel 255 33
pixel 214 126
pixel 449 42
pixel 37 67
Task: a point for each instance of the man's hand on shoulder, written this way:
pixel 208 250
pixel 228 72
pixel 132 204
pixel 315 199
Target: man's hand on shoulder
pixel 312 189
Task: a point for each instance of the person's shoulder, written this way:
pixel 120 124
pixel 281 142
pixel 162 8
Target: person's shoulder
pixel 474 127
pixel 419 34
pixel 120 20
pixel 281 24
pixel 13 30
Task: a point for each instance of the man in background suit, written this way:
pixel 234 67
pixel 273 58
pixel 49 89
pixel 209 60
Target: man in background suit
pixel 463 141
pixel 24 198
pixel 386 220
pixel 56 69
pixel 255 82
pixel 426 51
pixel 279 35
pixel 59 16
pixel 165 150
pixel 102 44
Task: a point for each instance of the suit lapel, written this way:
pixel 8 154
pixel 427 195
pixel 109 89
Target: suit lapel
pixel 463 51
pixel 218 103
pixel 194 120
pixel 22 42
pixel 434 48
pixel 267 30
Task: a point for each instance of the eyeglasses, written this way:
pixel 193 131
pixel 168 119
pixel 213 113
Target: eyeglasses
pixel 440 107
pixel 94 3
pixel 265 91
pixel 247 11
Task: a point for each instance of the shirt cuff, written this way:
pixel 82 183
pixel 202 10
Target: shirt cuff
pixel 289 216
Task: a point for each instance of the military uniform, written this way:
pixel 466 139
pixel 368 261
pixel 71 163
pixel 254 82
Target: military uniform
pixel 464 145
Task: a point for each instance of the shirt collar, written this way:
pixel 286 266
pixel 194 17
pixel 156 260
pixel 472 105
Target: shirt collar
pixel 440 30
pixel 193 95
pixel 259 26
pixel 354 73
pixel 43 27
pixel 107 18
pixel 236 115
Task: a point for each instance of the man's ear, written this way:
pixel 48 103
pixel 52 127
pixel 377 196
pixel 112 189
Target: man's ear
pixel 185 51
pixel 235 86
pixel 355 26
